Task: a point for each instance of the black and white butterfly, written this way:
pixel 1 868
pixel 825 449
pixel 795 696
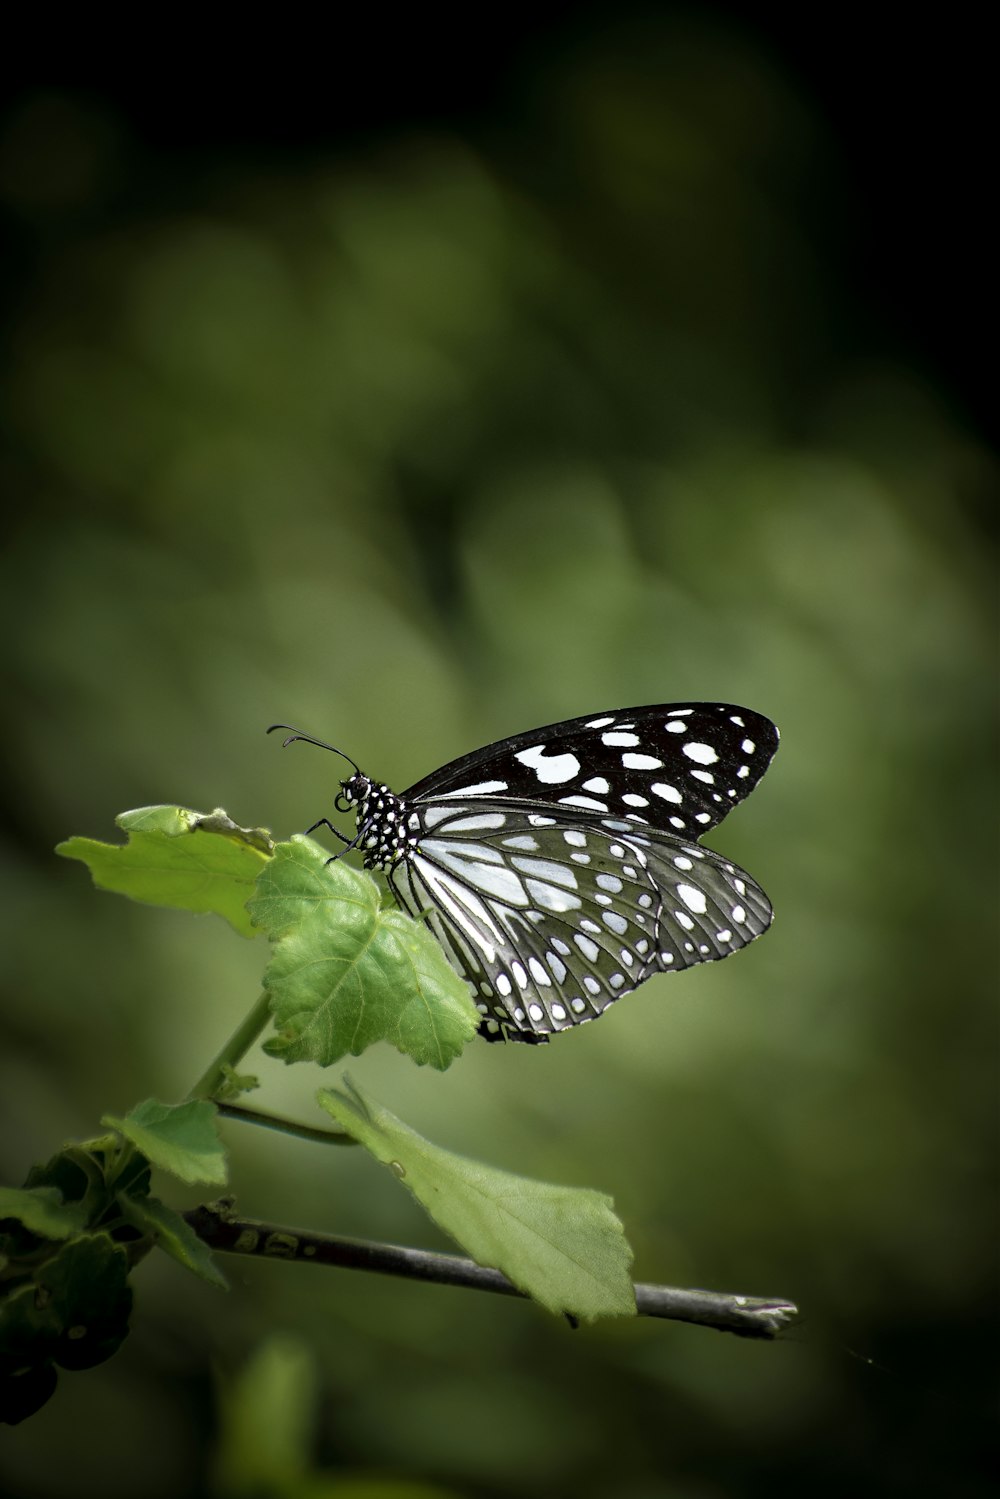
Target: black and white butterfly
pixel 560 868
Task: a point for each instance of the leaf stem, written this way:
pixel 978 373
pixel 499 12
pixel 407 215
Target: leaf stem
pixel 235 1049
pixel 285 1126
pixel 746 1316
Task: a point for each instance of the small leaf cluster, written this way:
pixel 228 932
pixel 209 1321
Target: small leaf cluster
pixel 345 972
pixel 71 1235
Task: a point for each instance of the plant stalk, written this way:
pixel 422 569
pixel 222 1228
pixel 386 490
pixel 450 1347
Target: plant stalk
pixel 235 1049
pixel 217 1225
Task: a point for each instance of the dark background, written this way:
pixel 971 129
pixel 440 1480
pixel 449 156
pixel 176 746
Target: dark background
pixel 418 382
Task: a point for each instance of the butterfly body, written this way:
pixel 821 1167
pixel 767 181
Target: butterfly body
pixel 561 868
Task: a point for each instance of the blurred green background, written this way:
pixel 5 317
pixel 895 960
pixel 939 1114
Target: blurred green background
pixel 419 429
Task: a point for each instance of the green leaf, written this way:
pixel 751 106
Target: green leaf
pixel 265 1422
pixel 563 1246
pixel 74 1310
pixel 86 1288
pixel 42 1211
pixel 347 973
pixel 234 1084
pixel 180 1138
pixel 190 861
pixel 174 1235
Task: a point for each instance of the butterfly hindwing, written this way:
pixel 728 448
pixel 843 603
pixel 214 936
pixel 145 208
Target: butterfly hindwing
pixel 552 918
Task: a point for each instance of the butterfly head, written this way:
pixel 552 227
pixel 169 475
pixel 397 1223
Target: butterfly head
pixel 356 791
pixel 382 834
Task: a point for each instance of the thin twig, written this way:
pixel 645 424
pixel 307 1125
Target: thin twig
pixel 285 1126
pixel 747 1316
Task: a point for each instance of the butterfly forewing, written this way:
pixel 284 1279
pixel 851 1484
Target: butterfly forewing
pixel 678 766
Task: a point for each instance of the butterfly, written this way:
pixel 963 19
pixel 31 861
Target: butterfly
pixel 562 867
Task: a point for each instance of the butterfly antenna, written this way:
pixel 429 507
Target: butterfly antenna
pixel 296 734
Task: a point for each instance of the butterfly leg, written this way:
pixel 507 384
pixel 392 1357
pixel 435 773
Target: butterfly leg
pixel 325 822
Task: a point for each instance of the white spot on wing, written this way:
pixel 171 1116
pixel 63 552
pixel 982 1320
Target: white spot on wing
pixel 557 966
pixel 617 736
pixel 693 898
pixel 575 839
pixel 552 897
pixel 589 949
pixel 583 801
pixel 539 974
pixel 641 762
pixel 482 788
pixel 599 723
pixel 634 799
pixel 668 793
pixel 546 869
pixel 552 770
pixel 480 823
pixel 433 815
pixel 598 784
pixel 491 879
pixel 703 753
pixel 748 746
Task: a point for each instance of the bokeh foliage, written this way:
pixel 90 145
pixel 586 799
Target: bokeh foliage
pixel 416 446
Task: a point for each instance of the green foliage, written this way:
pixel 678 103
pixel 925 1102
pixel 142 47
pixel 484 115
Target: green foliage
pixel 348 972
pixel 563 1246
pixel 41 1211
pixel 180 1138
pixel 267 1416
pixel 266 1420
pixel 171 1233
pixel 345 973
pixel 190 861
pixel 67 1304
pixel 234 1084
pixel 60 1303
